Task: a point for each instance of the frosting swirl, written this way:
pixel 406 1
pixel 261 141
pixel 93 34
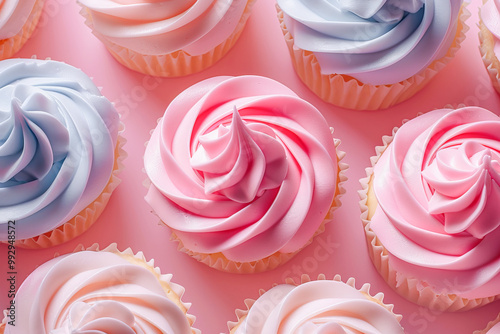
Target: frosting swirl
pixel 438 187
pixel 317 307
pixel 57 141
pixel 377 42
pixel 13 16
pixel 156 27
pixel 95 292
pixel 238 165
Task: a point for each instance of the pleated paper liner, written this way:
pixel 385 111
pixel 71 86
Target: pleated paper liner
pixel 172 290
pixel 408 287
pixel 489 326
pixel 490 60
pixel 347 92
pixel 9 46
pixel 220 262
pixel 175 64
pixel 86 217
pixel 365 289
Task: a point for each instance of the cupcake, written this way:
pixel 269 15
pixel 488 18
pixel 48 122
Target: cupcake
pixel 94 291
pixel 18 20
pixel 164 37
pixel 430 209
pixel 322 306
pixel 493 327
pixel 489 35
pixel 243 171
pixel 370 55
pixel 60 151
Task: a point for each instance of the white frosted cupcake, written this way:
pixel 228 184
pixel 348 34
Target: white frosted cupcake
pixel 167 37
pixel 430 209
pixel 321 306
pixel 489 39
pixel 93 291
pixel 18 20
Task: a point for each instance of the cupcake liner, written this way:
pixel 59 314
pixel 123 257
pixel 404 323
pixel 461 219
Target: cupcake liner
pixel 489 326
pixel 490 60
pixel 220 262
pixel 172 290
pixel 347 92
pixel 408 287
pixel 365 289
pixel 9 46
pixel 177 63
pixel 86 217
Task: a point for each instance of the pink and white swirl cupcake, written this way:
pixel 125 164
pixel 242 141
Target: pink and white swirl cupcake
pixel 370 54
pixel 489 39
pixel 167 37
pixel 92 291
pixel 243 171
pixel 430 209
pixel 18 20
pixel 321 306
pixel 60 152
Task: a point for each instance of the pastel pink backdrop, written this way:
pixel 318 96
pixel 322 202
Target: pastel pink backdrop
pixel 128 220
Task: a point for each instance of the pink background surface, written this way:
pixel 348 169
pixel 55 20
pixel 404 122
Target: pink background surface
pixel 128 220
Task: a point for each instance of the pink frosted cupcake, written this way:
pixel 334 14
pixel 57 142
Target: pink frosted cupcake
pixel 60 152
pixel 18 20
pixel 430 209
pixel 167 37
pixel 94 291
pixel 243 171
pixel 322 306
pixel 370 54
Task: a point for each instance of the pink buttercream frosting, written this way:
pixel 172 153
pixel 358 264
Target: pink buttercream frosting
pixel 438 187
pixel 317 307
pixel 490 16
pixel 94 292
pixel 13 16
pixel 156 27
pixel 241 166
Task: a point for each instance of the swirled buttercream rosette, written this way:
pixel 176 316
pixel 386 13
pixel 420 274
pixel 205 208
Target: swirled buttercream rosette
pixel 317 306
pixel 60 152
pixel 100 291
pixel 167 38
pixel 18 20
pixel 432 233
pixel 493 327
pixel 369 57
pixel 244 172
pixel 489 36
